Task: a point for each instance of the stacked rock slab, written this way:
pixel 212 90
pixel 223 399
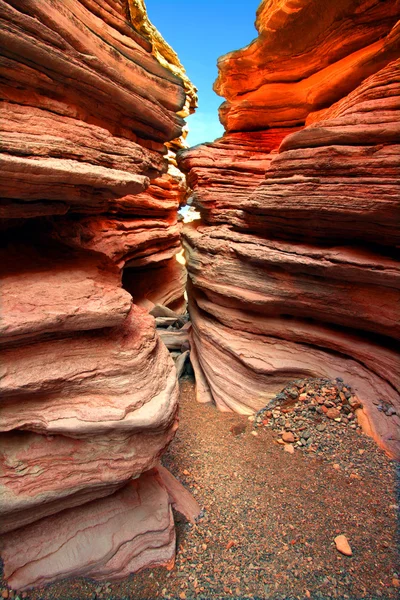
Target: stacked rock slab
pixel 88 390
pixel 293 271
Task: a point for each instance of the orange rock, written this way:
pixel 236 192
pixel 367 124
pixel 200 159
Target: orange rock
pixel 332 413
pixel 342 545
pixel 289 448
pixel 288 437
pixel 284 75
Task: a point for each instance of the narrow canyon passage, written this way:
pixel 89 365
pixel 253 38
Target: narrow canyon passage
pixel 272 319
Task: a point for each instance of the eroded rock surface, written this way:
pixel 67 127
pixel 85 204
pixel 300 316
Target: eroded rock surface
pixel 88 389
pixel 106 539
pixel 293 270
pixel 307 56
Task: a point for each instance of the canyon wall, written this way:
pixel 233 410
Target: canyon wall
pixel 293 270
pixel 90 95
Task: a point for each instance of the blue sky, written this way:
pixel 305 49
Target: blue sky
pixel 200 31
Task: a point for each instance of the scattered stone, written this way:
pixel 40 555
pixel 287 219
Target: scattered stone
pixel 254 433
pixel 288 437
pixel 332 413
pixel 354 402
pixel 342 545
pixel 324 411
pixel 289 448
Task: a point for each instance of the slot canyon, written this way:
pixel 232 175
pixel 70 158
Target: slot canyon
pixel 272 308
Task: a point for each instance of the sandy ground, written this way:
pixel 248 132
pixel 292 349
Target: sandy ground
pixel 269 519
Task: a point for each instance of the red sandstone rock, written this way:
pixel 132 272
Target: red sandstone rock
pixel 288 437
pixel 102 64
pixel 222 174
pixel 244 371
pixel 306 57
pixel 106 539
pixel 162 284
pixel 353 148
pixel 88 390
pixel 108 402
pixel 51 289
pixel 127 241
pixel 339 285
pixel 357 195
pixel 77 386
pixel 266 311
pixel 342 545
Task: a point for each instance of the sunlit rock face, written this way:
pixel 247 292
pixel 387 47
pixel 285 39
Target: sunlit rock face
pixel 308 55
pixel 293 271
pixel 88 389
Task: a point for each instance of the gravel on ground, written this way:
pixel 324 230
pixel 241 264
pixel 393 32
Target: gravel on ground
pixel 270 517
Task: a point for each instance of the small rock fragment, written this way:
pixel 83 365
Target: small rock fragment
pixel 289 448
pixel 342 545
pixel 332 413
pixel 354 403
pixel 238 428
pixel 288 437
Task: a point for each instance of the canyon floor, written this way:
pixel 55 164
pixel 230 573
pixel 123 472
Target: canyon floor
pixel 269 519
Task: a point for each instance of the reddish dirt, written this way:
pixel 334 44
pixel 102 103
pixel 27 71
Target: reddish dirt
pixel 269 520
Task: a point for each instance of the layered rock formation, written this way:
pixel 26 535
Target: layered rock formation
pixel 88 390
pixel 293 272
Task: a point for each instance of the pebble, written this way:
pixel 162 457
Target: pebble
pixel 342 545
pixel 289 448
pixel 332 413
pixel 288 437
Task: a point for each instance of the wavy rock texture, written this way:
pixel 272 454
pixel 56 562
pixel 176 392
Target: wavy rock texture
pixel 106 539
pixel 308 55
pixel 293 272
pixel 88 389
